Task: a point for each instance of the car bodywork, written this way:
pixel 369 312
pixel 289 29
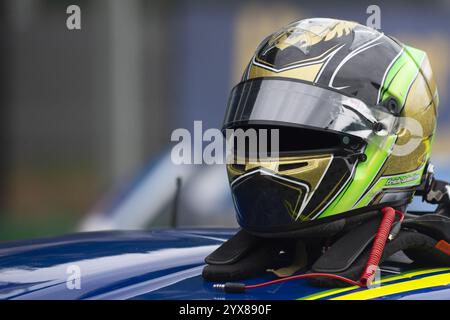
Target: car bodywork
pixel 167 264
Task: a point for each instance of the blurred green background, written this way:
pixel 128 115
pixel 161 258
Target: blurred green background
pixel 83 111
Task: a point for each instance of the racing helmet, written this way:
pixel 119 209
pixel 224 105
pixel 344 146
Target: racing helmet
pixel 355 113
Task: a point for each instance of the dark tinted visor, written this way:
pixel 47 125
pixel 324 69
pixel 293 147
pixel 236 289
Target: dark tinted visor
pixel 281 100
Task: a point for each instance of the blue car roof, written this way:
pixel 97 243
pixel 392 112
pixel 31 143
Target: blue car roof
pixel 166 264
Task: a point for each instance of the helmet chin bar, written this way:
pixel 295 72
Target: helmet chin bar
pixel 288 190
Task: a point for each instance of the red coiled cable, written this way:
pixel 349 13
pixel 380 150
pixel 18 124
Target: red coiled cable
pixel 368 275
pixel 378 246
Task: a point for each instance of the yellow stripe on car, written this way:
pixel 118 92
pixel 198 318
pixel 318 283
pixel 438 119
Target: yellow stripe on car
pixel 401 287
pixel 385 281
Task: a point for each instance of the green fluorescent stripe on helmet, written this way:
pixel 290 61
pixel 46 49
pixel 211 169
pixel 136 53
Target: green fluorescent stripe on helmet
pixel 402 74
pixel 402 180
pixel 365 172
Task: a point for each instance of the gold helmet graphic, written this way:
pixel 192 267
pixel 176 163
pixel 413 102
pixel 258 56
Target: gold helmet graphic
pixel 356 112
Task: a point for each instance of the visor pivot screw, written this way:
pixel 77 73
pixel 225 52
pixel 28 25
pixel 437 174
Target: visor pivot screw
pixel 362 157
pixel 392 105
pixel 378 126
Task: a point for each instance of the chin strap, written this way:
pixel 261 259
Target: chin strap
pixel 387 229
